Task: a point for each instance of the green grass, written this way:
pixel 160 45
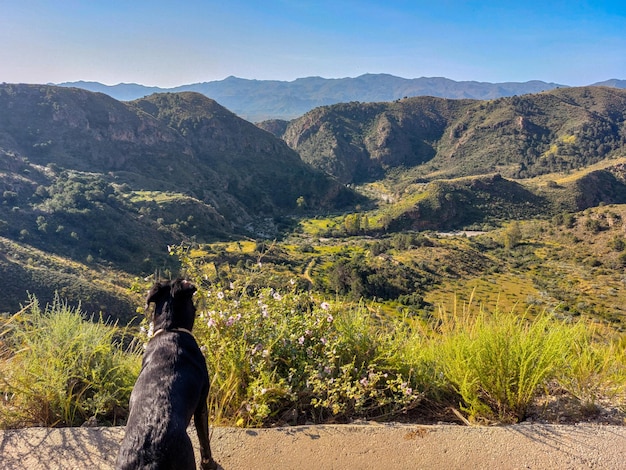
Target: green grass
pixel 59 369
pixel 595 368
pixel 498 361
pixel 319 226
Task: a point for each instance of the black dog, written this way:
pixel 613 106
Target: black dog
pixel 172 387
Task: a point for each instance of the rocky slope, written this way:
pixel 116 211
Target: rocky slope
pixel 519 136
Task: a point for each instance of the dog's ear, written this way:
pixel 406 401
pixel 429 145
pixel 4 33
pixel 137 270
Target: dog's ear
pixel 159 289
pixel 182 287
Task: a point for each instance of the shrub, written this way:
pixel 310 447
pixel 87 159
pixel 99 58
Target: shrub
pixel 621 259
pixel 497 362
pixel 595 369
pixel 286 356
pixel 282 354
pixel 59 369
pixel 617 243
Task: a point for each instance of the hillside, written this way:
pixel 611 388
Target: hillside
pixel 520 136
pixel 386 256
pixel 259 170
pixel 571 265
pixel 111 184
pixel 44 275
pixel 358 142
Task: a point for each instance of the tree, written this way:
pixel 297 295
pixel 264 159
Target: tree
pixel 365 224
pixel 352 223
pixel 512 235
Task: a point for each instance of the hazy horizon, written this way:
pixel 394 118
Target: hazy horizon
pixel 304 78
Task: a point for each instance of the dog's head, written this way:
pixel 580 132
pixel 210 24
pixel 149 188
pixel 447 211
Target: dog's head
pixel 173 304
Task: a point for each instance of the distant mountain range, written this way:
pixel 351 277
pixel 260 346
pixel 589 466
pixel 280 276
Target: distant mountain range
pixel 259 100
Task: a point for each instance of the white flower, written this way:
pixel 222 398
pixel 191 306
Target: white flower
pixel 277 296
pixel 329 318
pixel 325 305
pixel 220 295
pixel 301 340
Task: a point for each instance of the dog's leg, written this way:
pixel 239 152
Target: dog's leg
pixel 201 421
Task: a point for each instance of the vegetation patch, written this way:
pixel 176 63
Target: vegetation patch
pixel 59 369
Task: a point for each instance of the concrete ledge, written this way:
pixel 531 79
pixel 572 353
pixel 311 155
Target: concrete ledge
pixel 370 446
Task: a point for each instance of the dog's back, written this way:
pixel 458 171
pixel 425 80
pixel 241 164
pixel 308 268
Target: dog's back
pixel 171 388
pixel 172 381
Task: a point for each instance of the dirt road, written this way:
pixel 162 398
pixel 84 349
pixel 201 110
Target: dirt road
pixel 524 446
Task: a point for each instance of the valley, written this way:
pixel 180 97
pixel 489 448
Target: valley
pixel 421 260
pixel 347 200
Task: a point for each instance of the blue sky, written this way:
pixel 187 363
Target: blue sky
pixel 169 43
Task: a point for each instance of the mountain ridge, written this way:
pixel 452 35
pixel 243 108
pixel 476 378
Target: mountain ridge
pixel 258 100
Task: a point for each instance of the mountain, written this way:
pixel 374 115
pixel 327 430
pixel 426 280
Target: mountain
pixel 258 100
pixel 358 142
pixel 614 83
pixel 182 142
pixel 433 138
pixel 109 185
pixel 260 171
pixel 121 91
pixel 93 190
